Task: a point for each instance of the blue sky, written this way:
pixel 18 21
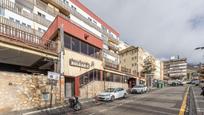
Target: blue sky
pixel 163 27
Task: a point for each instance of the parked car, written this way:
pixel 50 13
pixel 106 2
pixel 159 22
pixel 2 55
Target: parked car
pixel 196 82
pixel 139 89
pixel 201 83
pixel 111 94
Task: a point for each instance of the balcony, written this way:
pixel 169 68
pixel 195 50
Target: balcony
pixel 111 46
pixel 17 8
pixel 8 22
pixel 108 64
pixel 17 35
pixel 66 9
pixel 107 52
pixel 43 6
pixel 125 70
pixel 63 7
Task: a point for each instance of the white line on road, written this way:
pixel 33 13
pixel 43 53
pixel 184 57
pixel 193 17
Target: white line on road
pixel 196 101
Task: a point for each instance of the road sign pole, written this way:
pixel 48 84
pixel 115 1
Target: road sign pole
pixel 51 94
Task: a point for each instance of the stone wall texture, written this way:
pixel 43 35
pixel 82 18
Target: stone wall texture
pixel 20 91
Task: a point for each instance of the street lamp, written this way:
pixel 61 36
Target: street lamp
pixel 199 48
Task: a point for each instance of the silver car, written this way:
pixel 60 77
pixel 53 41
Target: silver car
pixel 111 94
pixel 139 89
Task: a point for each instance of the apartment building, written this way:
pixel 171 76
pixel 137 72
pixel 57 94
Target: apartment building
pixel 64 36
pixel 175 68
pixel 158 74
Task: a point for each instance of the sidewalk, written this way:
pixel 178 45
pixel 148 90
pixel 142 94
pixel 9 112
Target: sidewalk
pixel 62 110
pixel 199 100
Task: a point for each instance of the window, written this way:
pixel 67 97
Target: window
pixel 75 45
pixel 84 48
pixel 41 15
pixel 79 46
pixel 91 50
pixel 17 21
pixel 94 22
pixel 10 18
pixel 24 24
pixel 97 52
pixel 103 28
pixel 74 8
pixel 2 11
pixel 41 30
pixel 90 19
pixel 90 76
pixel 67 41
pixel 29 26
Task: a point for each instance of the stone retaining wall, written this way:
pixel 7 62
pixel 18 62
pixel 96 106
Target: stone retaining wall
pixel 20 91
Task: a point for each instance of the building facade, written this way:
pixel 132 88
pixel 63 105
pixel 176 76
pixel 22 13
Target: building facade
pixel 61 36
pixel 175 69
pixel 133 58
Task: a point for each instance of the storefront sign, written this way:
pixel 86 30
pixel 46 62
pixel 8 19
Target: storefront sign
pixel 79 63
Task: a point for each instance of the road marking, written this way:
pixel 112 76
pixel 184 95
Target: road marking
pixel 92 113
pixel 183 106
pixel 196 101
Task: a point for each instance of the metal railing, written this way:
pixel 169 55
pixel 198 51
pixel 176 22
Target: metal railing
pixel 26 38
pixel 17 8
pixel 8 22
pixel 81 17
pixel 110 53
pixel 125 70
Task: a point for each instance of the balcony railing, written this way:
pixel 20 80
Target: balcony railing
pixel 17 8
pixel 125 70
pixel 66 6
pixel 110 53
pixel 8 22
pixel 109 65
pixel 26 38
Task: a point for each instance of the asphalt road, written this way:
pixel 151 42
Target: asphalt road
pixel 165 101
pixel 199 100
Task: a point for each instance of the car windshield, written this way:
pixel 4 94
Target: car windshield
pixel 110 90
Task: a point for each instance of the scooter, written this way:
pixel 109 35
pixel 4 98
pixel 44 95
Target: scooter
pixel 75 104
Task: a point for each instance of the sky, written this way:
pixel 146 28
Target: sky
pixel 164 28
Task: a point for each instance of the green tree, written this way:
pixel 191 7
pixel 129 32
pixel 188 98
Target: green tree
pixel 149 65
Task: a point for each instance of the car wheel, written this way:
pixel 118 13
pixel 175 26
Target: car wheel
pixel 124 96
pixel 112 98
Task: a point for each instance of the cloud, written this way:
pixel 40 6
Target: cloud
pixel 163 27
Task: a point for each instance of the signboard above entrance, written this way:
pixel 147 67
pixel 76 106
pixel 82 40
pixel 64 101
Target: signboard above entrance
pixel 79 63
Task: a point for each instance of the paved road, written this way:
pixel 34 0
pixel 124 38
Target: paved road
pixel 165 101
pixel 199 100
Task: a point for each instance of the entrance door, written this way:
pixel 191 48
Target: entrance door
pixel 69 87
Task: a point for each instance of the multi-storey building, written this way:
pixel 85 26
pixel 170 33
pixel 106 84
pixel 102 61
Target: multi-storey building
pixel 133 58
pixel 64 36
pixel 175 68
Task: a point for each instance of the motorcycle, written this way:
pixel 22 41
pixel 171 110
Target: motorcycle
pixel 75 104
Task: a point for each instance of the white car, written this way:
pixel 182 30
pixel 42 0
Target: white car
pixel 111 94
pixel 139 89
